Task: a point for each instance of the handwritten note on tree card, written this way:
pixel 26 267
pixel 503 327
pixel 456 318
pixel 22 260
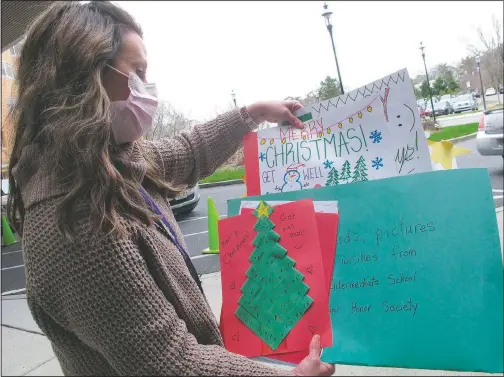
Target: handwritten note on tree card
pixel 320 207
pixel 370 133
pixel 418 278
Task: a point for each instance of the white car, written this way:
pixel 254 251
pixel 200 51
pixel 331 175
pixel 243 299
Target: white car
pixel 489 139
pixel 464 102
pixel 447 98
pixel 186 201
pixel 5 191
pixel 490 92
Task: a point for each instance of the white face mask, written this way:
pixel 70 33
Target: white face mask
pixel 133 117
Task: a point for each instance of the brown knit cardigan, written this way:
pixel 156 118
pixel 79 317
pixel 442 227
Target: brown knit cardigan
pixel 128 306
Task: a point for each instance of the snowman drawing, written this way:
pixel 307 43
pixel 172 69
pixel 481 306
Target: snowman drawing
pixel 292 179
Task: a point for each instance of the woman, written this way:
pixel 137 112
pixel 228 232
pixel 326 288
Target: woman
pixel 107 276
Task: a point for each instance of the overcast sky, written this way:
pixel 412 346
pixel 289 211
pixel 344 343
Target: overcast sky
pixel 199 51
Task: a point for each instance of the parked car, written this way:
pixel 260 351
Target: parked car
pixel 446 97
pixel 490 133
pixel 186 201
pixel 5 191
pixel 501 90
pixel 440 108
pixel 423 113
pixel 445 106
pixel 465 102
pixel 490 92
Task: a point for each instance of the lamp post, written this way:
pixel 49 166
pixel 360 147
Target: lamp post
pixel 233 96
pixel 327 16
pixel 428 82
pixel 481 81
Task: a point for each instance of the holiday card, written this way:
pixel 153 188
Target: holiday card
pixel 327 217
pixel 273 280
pixel 372 132
pixel 416 283
pixel 327 223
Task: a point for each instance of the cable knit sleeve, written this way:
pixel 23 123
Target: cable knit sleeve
pixel 187 158
pixel 111 302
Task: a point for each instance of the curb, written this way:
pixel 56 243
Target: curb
pixel 211 275
pixel 462 138
pixel 222 183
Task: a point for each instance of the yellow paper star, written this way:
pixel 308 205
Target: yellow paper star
pixel 263 210
pixel 444 151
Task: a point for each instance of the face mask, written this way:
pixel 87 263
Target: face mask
pixel 133 117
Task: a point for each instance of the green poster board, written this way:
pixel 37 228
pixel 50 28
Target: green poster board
pixel 418 277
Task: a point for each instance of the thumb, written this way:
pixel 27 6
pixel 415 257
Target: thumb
pixel 293 120
pixel 315 347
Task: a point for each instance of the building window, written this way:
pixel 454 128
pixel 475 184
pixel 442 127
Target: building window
pixel 7 70
pixel 16 49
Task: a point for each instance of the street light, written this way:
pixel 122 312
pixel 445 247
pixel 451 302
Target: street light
pixel 327 16
pixel 428 82
pixel 481 81
pixel 233 96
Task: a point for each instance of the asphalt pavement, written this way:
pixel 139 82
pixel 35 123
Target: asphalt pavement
pixel 492 163
pixel 195 225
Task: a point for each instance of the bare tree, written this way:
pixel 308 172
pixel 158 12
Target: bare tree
pixel 310 99
pixel 167 122
pixel 469 74
pixel 492 54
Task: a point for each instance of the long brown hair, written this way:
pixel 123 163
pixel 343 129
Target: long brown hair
pixel 63 107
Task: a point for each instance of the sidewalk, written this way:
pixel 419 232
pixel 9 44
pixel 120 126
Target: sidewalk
pixel 26 352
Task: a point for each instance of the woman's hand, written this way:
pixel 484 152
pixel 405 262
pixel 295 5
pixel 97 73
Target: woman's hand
pixel 276 112
pixel 311 364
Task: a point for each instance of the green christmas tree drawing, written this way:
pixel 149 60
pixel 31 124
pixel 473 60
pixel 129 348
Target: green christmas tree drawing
pixel 359 173
pixel 345 172
pixel 332 178
pixel 274 296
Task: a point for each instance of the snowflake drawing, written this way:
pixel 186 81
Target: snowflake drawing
pixel 376 136
pixel 262 157
pixel 328 164
pixel 377 163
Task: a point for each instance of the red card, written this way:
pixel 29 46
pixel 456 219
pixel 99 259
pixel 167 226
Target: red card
pixel 250 153
pixel 328 234
pixel 236 235
pixel 327 224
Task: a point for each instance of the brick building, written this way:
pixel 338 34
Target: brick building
pixel 9 63
pixel 16 18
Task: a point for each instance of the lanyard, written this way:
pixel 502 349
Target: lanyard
pixel 169 230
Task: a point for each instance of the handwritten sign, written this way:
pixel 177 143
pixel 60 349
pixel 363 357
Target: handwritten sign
pixel 417 283
pixel 297 228
pixel 370 133
pixel 401 114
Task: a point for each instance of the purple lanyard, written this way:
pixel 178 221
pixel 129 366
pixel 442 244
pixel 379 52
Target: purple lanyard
pixel 169 230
